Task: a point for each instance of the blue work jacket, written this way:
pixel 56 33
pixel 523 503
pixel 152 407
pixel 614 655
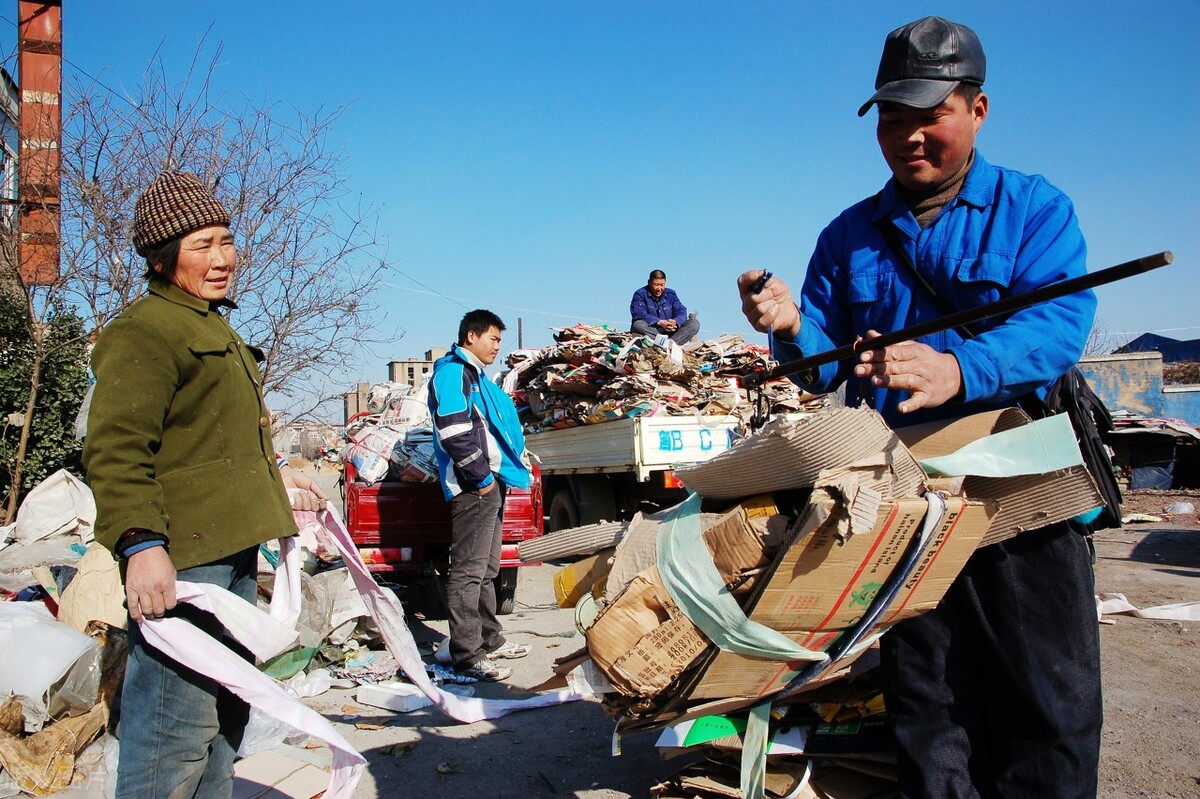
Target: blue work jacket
pixel 1005 233
pixel 644 308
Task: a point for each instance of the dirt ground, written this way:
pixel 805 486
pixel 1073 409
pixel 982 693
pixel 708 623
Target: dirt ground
pixel 1151 668
pixel 1151 703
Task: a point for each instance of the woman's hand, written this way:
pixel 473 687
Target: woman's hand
pixel 309 495
pixel 149 584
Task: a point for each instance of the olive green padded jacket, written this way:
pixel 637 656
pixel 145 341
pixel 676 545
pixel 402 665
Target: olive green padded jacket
pixel 178 436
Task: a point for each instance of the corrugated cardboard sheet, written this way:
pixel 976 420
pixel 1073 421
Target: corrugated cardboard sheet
pixel 865 508
pixel 642 641
pixel 1027 502
pixel 820 587
pixel 791 453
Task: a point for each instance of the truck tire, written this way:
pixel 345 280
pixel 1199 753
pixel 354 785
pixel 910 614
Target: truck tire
pixel 596 501
pixel 506 591
pixel 563 512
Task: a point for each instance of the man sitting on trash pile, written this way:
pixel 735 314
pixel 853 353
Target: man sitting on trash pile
pixel 996 692
pixel 656 310
pixel 481 453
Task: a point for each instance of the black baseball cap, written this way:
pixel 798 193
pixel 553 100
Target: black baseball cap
pixel 924 61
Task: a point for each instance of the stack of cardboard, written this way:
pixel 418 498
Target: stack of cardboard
pixel 852 537
pixel 595 374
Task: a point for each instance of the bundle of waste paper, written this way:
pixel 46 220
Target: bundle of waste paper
pixel 801 545
pixel 596 374
pixel 395 438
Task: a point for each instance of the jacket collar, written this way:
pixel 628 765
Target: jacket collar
pixel 978 189
pixel 469 357
pixel 172 293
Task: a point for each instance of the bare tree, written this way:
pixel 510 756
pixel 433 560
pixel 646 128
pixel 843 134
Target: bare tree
pixel 309 255
pixel 1099 340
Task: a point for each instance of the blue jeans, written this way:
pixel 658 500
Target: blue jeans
pixel 682 335
pixel 179 730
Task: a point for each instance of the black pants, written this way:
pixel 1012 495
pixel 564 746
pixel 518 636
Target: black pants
pixel 996 692
pixel 476 535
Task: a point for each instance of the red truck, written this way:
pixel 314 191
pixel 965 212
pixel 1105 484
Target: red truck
pixel 402 529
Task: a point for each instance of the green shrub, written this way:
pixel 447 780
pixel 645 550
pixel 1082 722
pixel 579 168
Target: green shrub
pixel 63 383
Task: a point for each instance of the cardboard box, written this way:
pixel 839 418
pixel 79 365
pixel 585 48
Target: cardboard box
pixel 642 641
pixel 865 508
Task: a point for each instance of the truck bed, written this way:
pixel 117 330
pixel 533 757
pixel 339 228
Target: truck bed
pixel 405 527
pixel 641 445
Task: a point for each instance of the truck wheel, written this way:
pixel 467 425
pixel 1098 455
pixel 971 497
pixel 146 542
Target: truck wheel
pixel 506 591
pixel 563 512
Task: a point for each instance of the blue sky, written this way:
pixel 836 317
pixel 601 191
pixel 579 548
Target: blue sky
pixel 539 158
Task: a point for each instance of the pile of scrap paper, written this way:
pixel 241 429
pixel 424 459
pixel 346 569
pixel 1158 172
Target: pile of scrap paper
pixel 595 374
pixel 743 624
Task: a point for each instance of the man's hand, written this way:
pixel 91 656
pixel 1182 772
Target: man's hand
pixel 487 489
pixel 149 584
pixel 932 378
pixel 667 325
pixel 309 495
pixel 772 309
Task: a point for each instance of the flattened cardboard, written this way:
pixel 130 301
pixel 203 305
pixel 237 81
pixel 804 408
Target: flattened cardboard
pixel 791 453
pixel 642 641
pixel 826 579
pixel 1027 502
pixel 820 588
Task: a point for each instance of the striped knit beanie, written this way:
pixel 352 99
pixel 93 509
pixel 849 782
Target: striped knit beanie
pixel 176 203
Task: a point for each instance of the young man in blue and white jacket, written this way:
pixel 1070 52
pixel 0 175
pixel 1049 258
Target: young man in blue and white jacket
pixel 480 452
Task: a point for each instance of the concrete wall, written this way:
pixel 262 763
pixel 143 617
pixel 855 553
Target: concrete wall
pixel 1182 402
pixel 1132 382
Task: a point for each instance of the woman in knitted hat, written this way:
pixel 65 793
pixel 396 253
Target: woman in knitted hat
pixel 179 456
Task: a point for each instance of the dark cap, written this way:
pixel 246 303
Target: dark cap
pixel 924 62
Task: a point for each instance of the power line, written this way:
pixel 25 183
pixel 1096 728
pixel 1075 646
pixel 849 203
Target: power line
pixel 458 301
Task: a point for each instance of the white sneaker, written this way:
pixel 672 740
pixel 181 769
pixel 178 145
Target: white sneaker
pixel 486 671
pixel 509 651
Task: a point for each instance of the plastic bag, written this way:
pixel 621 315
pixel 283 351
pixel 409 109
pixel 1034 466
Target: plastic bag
pixel 371 451
pixel 59 504
pixel 49 667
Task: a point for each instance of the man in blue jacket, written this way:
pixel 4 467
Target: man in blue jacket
pixel 996 692
pixel 656 310
pixel 480 452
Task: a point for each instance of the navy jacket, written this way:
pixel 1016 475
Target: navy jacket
pixel 645 308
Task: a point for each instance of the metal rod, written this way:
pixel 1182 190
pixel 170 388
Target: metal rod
pixel 1014 303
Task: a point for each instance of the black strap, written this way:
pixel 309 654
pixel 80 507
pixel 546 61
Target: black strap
pixel 1070 394
pixel 893 240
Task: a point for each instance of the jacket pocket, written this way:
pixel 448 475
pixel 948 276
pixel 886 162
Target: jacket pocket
pixel 987 268
pixel 189 473
pixel 869 287
pixel 208 345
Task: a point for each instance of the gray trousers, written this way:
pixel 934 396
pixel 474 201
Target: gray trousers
pixel 475 538
pixel 686 332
